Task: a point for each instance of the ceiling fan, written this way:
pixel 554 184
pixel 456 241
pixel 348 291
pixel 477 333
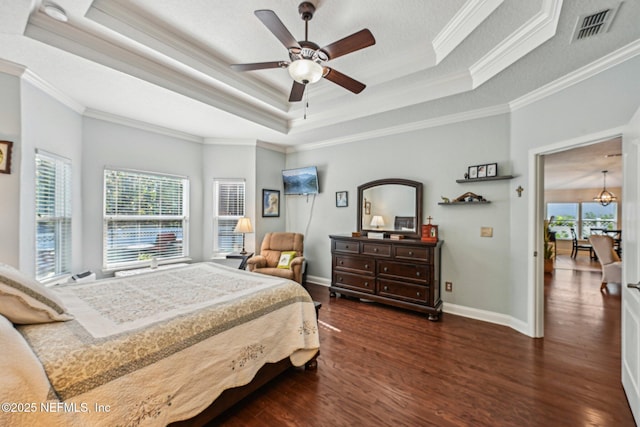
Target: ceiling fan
pixel 307 58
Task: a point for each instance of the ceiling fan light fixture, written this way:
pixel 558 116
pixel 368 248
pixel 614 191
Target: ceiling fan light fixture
pixel 305 71
pixel 605 197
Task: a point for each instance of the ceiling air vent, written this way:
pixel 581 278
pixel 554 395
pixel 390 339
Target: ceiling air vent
pixel 595 23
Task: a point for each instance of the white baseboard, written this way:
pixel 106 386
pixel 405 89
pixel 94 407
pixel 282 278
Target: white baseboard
pixel 459 310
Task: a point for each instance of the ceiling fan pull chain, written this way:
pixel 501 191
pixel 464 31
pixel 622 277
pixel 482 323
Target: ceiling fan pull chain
pixel 306 102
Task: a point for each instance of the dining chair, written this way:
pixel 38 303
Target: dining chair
pixel 577 246
pixel 609 260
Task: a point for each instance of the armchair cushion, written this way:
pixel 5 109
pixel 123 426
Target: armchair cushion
pixel 285 259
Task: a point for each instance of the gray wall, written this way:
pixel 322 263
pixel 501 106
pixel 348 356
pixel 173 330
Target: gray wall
pixel 269 166
pixel 112 145
pixel 436 157
pixel 10 108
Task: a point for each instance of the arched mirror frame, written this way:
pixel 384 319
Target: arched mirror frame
pixel 395 181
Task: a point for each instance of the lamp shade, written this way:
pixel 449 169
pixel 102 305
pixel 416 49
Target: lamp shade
pixel 243 226
pixel 305 71
pixel 377 221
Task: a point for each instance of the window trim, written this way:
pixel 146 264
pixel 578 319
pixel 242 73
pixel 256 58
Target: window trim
pixel 185 218
pixel 61 270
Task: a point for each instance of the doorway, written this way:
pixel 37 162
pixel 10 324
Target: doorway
pixel 571 167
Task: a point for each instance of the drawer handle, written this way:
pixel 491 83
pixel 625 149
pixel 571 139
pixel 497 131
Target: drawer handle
pixel 366 284
pixel 386 288
pixel 375 249
pixel 418 273
pixel 340 279
pixel 410 253
pixel 346 246
pixel 366 266
pixel 341 262
pixel 417 293
pixel 385 269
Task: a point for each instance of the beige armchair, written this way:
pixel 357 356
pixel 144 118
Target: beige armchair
pixel 609 260
pixel 272 247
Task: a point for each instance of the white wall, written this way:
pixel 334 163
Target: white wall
pixel 10 183
pixel 112 145
pixel 436 157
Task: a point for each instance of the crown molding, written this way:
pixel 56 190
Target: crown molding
pixel 230 141
pixel 127 19
pixel 12 68
pixel 138 124
pixel 96 46
pixel 529 36
pixel 52 91
pixel 407 127
pixel 468 18
pixel 611 60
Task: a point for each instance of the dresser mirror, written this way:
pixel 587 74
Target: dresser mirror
pixel 390 206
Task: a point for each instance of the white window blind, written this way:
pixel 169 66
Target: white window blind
pixel 145 216
pixel 229 200
pixel 53 216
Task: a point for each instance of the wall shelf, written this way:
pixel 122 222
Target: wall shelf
pixel 465 203
pixel 488 178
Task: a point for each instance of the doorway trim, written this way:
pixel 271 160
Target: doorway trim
pixel 535 290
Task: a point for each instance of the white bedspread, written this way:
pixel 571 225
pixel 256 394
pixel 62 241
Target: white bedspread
pixel 154 348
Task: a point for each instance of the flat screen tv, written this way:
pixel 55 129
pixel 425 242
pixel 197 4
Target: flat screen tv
pixel 301 180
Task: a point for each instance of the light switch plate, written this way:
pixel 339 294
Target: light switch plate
pixel 486 231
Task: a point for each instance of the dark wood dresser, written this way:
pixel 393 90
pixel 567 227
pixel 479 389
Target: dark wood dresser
pixel 403 273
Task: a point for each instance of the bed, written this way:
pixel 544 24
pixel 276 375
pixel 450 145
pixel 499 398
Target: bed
pixel 149 349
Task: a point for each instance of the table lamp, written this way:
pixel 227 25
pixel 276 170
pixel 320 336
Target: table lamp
pixel 243 226
pixel 377 221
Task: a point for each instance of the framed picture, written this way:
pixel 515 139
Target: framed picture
pixel 492 169
pixel 5 156
pixel 482 171
pixel 473 172
pixel 342 199
pixel 270 203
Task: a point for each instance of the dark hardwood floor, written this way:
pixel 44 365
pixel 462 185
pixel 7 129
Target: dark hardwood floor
pixel 382 366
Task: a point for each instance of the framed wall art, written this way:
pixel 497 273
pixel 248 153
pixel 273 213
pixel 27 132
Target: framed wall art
pixel 492 169
pixel 270 203
pixel 5 156
pixel 342 199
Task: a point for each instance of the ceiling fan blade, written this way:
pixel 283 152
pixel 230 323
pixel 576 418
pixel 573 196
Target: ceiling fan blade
pixel 275 25
pixel 297 90
pixel 355 41
pixel 343 80
pixel 259 66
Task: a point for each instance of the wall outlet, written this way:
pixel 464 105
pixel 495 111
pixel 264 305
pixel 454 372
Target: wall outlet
pixel 448 286
pixel 486 231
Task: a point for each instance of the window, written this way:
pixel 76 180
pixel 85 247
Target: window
pixel 229 206
pixel 582 217
pixel 594 215
pixel 53 216
pixel 145 217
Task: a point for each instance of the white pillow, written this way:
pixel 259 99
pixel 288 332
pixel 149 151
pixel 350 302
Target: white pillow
pixel 24 301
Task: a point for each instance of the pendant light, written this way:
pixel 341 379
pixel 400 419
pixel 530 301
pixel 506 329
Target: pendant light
pixel 605 197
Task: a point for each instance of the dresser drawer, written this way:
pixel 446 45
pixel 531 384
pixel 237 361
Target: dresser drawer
pixel 359 264
pixel 410 252
pixel 354 281
pixel 414 272
pixel 376 249
pixel 405 291
pixel 348 247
